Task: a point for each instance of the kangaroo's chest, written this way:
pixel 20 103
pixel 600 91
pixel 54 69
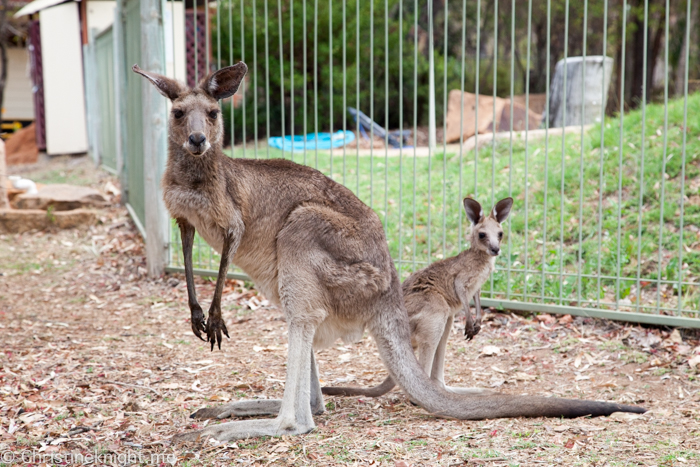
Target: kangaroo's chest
pixel 197 208
pixel 476 277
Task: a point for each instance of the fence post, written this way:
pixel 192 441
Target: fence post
pixel 91 98
pixel 119 93
pixel 154 136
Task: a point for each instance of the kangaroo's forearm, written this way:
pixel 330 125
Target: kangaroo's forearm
pixel 230 242
pixel 187 238
pixel 464 299
pixel 477 306
pixel 196 315
pixel 215 323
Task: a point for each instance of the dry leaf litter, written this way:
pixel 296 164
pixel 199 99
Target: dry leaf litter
pixel 98 360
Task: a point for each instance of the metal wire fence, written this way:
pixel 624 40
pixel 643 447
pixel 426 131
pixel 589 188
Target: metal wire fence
pixel 606 215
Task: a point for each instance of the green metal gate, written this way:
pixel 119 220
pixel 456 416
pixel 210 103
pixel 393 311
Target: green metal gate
pixel 104 44
pixel 606 219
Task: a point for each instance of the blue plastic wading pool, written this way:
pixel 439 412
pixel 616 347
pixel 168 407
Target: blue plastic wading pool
pixel 312 141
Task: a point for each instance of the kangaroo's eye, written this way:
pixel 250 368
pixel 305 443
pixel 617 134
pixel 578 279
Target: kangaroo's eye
pixel 177 113
pixel 482 235
pixel 213 114
pixel 500 234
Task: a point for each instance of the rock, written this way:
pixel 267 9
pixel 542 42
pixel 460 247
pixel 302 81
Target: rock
pixel 468 117
pixel 74 218
pixel 521 115
pixel 583 94
pixel 537 102
pixel 61 198
pixel 21 147
pixel 489 121
pixel 20 220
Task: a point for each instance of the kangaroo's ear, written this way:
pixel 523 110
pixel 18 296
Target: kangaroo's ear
pixel 473 210
pixel 170 88
pixel 502 209
pixel 224 83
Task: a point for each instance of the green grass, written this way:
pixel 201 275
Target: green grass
pixel 419 201
pixel 688 458
pixel 70 176
pixel 484 453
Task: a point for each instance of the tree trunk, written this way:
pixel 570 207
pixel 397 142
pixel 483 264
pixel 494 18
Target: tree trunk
pixel 638 63
pixel 538 82
pixel 654 53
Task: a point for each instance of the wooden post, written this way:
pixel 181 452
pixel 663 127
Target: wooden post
pixel 120 70
pixel 154 136
pixel 92 101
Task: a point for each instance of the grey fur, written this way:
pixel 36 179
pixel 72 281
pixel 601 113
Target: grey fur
pixel 313 248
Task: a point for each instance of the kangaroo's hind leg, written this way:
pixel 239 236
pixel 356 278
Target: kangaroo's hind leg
pixel 294 415
pixel 304 303
pixel 253 408
pixel 438 369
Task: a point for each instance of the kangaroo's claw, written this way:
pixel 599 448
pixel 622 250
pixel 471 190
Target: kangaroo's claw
pixel 198 322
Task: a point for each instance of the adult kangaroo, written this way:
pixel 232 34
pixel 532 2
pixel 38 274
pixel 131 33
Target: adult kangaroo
pixel 314 249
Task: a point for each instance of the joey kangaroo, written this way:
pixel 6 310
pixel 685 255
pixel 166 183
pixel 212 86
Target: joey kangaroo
pixel 314 249
pixel 435 294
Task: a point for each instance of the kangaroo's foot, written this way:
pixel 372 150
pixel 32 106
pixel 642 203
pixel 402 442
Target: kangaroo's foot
pixel 243 429
pixel 250 408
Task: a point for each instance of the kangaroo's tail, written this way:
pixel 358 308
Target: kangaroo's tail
pixel 390 330
pixel 382 388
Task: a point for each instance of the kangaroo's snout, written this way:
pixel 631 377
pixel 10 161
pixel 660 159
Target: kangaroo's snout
pixel 197 143
pixel 197 139
pixel 495 250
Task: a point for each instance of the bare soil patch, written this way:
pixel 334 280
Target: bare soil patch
pixel 98 359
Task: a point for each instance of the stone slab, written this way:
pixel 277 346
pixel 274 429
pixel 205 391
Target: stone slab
pixel 61 197
pixel 14 221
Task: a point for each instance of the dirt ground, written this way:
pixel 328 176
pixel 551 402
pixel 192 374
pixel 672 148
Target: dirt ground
pixel 98 360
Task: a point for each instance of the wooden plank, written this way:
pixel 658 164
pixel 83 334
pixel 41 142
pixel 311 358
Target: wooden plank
pixel 154 137
pixel 104 59
pixel 92 104
pixel 133 109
